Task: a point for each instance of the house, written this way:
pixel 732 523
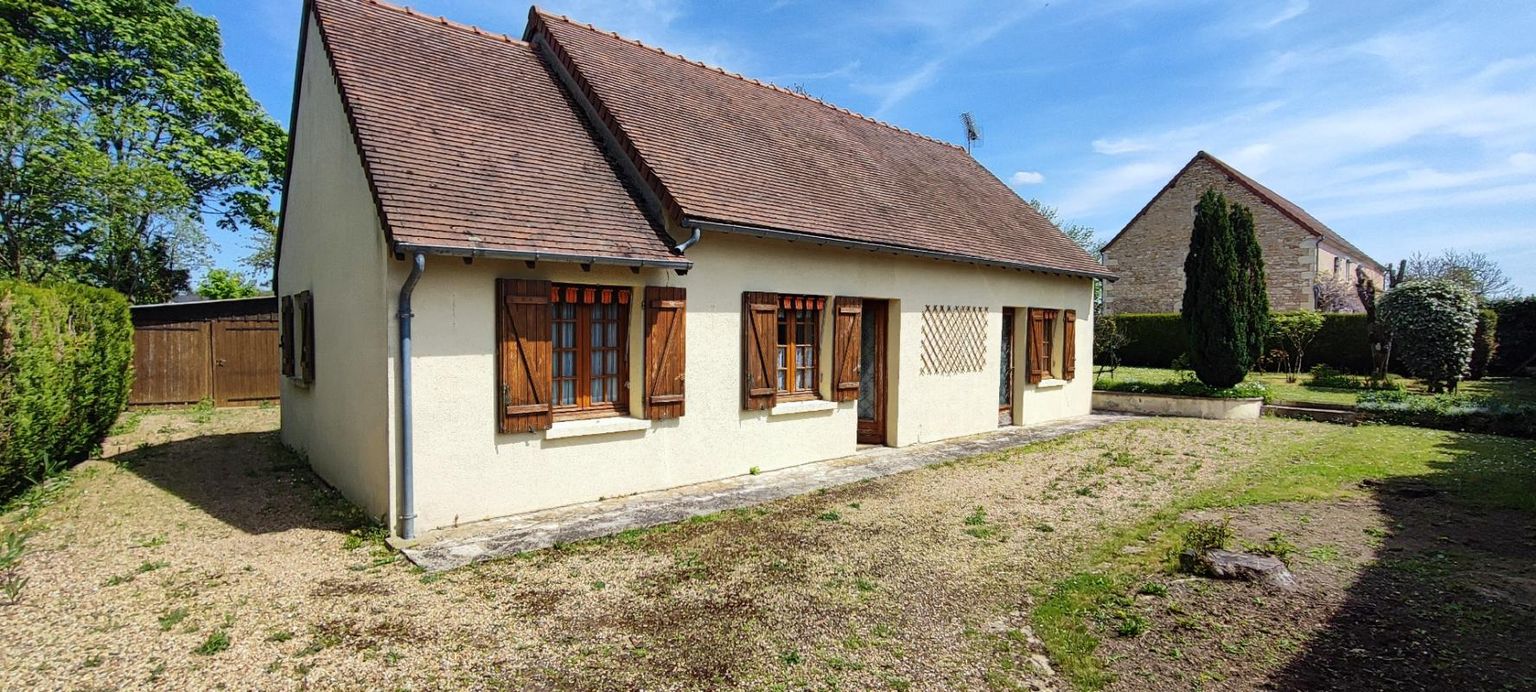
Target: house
pixel 1302 256
pixel 499 257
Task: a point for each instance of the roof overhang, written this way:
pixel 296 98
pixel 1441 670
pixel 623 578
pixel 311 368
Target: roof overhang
pixel 798 236
pixel 535 256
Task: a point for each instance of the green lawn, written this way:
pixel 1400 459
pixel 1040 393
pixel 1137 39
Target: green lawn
pixel 1511 389
pixel 1329 463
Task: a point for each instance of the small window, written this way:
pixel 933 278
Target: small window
pixel 1005 383
pixel 1052 354
pixel 304 308
pixel 1052 344
pixel 589 337
pixel 799 335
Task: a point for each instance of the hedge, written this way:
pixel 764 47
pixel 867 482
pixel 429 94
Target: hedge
pixel 1516 334
pixel 66 365
pixel 1156 340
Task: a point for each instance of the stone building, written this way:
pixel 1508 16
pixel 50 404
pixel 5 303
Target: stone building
pixel 1302 255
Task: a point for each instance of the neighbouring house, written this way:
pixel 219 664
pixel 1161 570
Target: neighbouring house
pixel 1307 264
pixel 499 257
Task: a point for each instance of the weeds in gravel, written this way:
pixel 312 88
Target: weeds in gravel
pixel 11 581
pixel 280 636
pixel 1153 588
pixel 218 640
pixel 1277 545
pixel 976 524
pixel 829 515
pixel 171 618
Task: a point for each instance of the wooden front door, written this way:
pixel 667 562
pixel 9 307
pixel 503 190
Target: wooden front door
pixel 872 373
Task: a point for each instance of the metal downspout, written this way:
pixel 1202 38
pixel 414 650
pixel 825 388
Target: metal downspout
pixel 683 246
pixel 407 489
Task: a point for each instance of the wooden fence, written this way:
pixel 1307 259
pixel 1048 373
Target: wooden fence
pixel 224 351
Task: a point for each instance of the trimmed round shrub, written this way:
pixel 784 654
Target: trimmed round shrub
pixel 1433 326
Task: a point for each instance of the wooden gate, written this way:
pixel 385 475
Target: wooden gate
pixel 222 351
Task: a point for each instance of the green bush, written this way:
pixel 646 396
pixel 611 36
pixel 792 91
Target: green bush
pixel 66 365
pixel 1186 386
pixel 1451 412
pixel 1433 324
pixel 1484 343
pixel 1328 377
pixel 1516 335
pixel 1156 340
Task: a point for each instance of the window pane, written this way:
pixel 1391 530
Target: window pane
pixel 613 334
pixel 597 391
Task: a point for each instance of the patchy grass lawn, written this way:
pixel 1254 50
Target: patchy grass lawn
pixel 204 555
pixel 1415 551
pixel 1510 389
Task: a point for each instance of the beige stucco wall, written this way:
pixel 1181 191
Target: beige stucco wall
pixel 332 246
pixel 466 471
pixel 1149 255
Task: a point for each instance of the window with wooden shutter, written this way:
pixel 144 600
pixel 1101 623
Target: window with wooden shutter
pixel 286 339
pixel 1006 365
pixel 589 334
pixel 306 309
pixel 665 312
pixel 847 314
pixel 523 362
pixel 1068 344
pixel 759 324
pixel 1039 355
pixel 797 347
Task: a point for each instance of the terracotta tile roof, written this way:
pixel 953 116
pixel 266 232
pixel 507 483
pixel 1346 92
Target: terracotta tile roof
pixel 1290 209
pixel 724 148
pixel 470 143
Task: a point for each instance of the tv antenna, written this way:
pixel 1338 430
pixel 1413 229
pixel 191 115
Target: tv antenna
pixel 972 130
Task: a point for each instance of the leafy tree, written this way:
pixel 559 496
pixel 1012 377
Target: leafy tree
pixel 1226 308
pixel 1433 325
pixel 1476 271
pixel 176 136
pixel 1296 331
pixel 1108 339
pixel 219 284
pixel 1084 236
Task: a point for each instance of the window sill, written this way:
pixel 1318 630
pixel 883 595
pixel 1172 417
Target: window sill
pixel 595 426
pixel 807 406
pixel 1051 384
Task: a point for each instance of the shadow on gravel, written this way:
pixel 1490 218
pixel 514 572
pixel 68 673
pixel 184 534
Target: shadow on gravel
pixel 1451 602
pixel 247 480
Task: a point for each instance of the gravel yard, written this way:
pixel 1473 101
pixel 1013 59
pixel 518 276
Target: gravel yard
pixel 203 555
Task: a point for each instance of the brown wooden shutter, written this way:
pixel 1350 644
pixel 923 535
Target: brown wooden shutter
pixel 1039 359
pixel 759 350
pixel 306 307
pixel 287 335
pixel 846 321
pixel 665 311
pixel 1069 344
pixel 523 360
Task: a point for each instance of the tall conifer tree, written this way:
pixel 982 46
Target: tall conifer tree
pixel 1226 310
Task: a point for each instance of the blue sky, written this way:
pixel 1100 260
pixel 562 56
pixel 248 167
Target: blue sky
pixel 1406 126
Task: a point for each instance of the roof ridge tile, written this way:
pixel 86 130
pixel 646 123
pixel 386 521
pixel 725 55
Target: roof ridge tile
pixel 443 21
pixel 742 77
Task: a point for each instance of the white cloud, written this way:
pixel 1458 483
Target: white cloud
pixel 1522 160
pixel 1115 147
pixel 1026 178
pixel 1292 10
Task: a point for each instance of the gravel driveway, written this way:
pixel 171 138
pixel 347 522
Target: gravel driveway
pixel 203 555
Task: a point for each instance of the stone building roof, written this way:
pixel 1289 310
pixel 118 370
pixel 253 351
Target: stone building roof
pixel 1286 207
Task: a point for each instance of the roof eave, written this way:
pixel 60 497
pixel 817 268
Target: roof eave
pixel 799 236
pixel 538 256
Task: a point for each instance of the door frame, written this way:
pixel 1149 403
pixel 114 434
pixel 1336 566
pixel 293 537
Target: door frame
pixel 875 431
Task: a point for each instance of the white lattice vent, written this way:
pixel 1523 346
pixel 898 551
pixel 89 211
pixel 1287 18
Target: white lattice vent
pixel 954 339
